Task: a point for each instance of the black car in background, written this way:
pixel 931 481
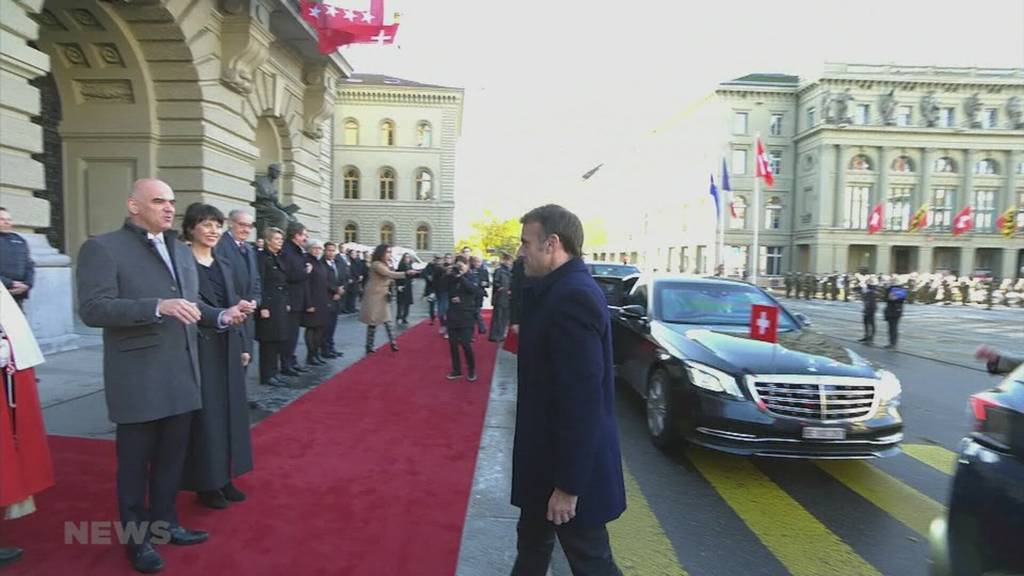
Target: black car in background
pixel 612 269
pixel 683 344
pixel 983 531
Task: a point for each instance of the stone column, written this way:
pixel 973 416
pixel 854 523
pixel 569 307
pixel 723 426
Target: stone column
pixel 923 193
pixel 964 196
pixel 839 194
pixel 924 259
pixel 883 259
pixel 1010 170
pixel 882 193
pixel 966 265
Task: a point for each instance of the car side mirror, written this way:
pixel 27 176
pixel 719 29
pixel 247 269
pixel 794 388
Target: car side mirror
pixel 802 319
pixel 634 311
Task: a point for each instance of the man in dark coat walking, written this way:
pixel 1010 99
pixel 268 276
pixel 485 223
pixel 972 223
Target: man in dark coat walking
pixel 501 295
pixel 17 271
pixel 297 268
pixel 566 464
pixel 140 284
pixel 895 295
pixel 870 299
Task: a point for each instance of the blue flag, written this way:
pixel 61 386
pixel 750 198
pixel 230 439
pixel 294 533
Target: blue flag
pixel 714 194
pixel 725 177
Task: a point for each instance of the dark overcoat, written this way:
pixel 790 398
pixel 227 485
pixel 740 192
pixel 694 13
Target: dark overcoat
pixel 220 447
pixel 566 433
pixel 246 278
pixel 461 313
pixel 319 294
pixel 275 299
pixel 403 286
pixel 293 263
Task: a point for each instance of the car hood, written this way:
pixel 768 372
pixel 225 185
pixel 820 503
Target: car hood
pixel 797 351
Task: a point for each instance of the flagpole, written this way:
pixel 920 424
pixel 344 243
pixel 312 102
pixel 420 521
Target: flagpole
pixel 721 234
pixel 755 258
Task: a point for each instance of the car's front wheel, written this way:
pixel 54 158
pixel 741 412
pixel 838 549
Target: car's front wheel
pixel 660 411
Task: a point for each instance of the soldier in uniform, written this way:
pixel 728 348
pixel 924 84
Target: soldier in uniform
pixel 797 287
pixel 834 287
pixel 911 289
pixel 990 287
pixel 846 287
pixel 965 291
pixel 809 286
pixel 947 292
pixel 789 284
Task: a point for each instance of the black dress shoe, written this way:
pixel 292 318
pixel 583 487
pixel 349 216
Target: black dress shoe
pixel 298 368
pixel 277 382
pixel 394 347
pixel 370 350
pixel 9 555
pixel 212 499
pixel 329 354
pixel 288 372
pixel 232 494
pixel 145 559
pixel 181 536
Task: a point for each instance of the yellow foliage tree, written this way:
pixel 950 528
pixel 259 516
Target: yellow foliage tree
pixel 491 235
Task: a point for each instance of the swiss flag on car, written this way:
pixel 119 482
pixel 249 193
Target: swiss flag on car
pixel 764 323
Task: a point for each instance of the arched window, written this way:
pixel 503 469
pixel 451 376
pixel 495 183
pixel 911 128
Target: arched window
pixel 860 162
pixel 423 237
pixel 387 233
pixel 986 167
pixel 424 135
pixel 387 133
pixel 387 184
pixel 351 183
pixel 773 214
pixel 903 164
pixel 944 165
pixel 424 184
pixel 739 207
pixel 351 133
pixel 351 233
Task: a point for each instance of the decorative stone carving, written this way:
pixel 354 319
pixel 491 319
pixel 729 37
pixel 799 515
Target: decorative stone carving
pixel 318 101
pixel 1015 113
pixel 843 107
pixel 47 19
pixel 245 47
pixel 106 91
pixel 887 105
pixel 86 19
pixel 110 55
pixel 826 108
pixel 74 56
pixel 972 107
pixel 269 210
pixel 930 109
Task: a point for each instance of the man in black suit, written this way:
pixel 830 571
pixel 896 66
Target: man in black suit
pixel 235 248
pixel 335 283
pixel 296 268
pixel 140 284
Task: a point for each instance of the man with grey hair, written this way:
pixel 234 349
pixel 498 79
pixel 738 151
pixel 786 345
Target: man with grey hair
pixel 140 284
pixel 234 246
pixel 566 463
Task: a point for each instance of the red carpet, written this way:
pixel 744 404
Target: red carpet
pixel 369 474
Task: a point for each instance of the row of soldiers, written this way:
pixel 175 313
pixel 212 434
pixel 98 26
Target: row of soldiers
pixel 921 288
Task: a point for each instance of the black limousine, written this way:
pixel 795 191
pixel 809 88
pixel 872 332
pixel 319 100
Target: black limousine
pixel 683 344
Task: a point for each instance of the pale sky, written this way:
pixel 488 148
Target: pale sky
pixel 553 88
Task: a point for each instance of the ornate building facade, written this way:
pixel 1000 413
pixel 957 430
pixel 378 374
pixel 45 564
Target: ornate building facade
pixel 394 163
pixel 203 94
pixel 863 135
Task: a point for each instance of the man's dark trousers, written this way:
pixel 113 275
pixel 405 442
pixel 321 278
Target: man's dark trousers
pixel 462 338
pixel 288 353
pixel 155 450
pixel 329 328
pixel 586 547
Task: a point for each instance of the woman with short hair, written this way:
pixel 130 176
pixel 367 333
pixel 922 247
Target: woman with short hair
pixel 318 303
pixel 272 318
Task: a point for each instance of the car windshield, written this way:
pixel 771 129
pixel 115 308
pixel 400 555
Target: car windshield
pixel 616 270
pixel 712 303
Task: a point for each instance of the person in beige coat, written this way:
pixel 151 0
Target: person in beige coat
pixel 376 308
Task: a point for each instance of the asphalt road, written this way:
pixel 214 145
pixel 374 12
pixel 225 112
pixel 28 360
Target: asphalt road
pixel 697 512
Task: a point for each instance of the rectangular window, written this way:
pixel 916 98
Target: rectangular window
pixel 1020 209
pixel 856 204
pixel 739 123
pixel 863 114
pixel 735 260
pixel 739 206
pixel 702 260
pixel 684 259
pixel 904 115
pixel 810 117
pixel 941 208
pixel 739 161
pixel 990 118
pixel 897 208
pixel 771 260
pixel 775 161
pixel 773 216
pixel 776 127
pixel 984 210
pixel 947 116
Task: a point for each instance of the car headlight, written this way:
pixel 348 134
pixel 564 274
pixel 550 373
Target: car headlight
pixel 712 379
pixel 888 386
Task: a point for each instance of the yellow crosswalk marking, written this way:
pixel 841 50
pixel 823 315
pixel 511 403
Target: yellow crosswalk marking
pixel 891 495
pixel 640 546
pixel 804 545
pixel 937 457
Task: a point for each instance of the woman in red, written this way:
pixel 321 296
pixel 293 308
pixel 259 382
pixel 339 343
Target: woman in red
pixel 26 467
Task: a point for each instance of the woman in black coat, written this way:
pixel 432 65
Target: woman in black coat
pixel 404 288
pixel 272 317
pixel 220 447
pixel 462 294
pixel 319 304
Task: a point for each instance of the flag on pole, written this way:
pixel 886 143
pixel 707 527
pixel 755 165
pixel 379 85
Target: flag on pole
pixel 339 26
pixel 714 194
pixel 919 221
pixel 1007 222
pixel 763 166
pixel 875 220
pixel 727 190
pixel 764 323
pixel 963 222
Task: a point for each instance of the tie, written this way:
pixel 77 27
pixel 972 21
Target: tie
pixel 161 248
pixel 244 250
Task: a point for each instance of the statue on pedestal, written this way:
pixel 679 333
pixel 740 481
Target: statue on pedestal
pixel 826 107
pixel 1015 113
pixel 888 107
pixel 269 210
pixel 972 107
pixel 930 109
pixel 842 102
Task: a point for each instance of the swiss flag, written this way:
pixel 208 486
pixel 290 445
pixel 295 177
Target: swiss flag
pixel 764 323
pixel 763 167
pixel 875 220
pixel 963 221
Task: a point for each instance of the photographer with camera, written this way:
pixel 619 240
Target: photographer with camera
pixel 462 296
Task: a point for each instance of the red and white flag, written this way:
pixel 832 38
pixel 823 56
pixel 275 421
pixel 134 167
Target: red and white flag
pixel 963 222
pixel 762 166
pixel 355 22
pixel 764 323
pixel 875 219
